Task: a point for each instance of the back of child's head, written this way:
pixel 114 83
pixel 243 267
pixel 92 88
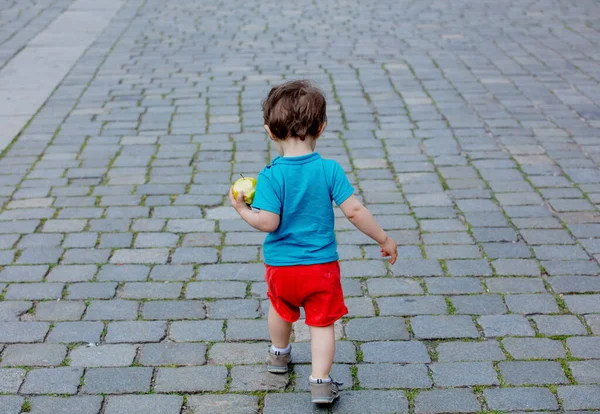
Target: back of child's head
pixel 295 109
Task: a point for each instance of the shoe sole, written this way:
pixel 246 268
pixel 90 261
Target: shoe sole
pixel 277 370
pixel 324 400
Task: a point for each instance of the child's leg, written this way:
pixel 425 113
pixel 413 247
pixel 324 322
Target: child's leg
pixel 280 330
pixel 322 345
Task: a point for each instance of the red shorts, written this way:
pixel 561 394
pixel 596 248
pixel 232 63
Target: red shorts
pixel 317 288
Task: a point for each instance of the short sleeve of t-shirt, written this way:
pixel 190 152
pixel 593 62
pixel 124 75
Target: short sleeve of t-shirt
pixel 266 197
pixel 340 187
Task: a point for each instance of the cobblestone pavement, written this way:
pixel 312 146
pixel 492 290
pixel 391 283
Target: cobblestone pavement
pixel 470 128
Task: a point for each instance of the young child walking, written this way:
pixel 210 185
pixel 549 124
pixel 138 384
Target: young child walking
pixel 293 204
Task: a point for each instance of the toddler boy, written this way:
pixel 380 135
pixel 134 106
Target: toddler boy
pixel 293 204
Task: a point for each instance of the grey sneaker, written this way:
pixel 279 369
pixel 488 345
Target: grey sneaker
pixel 277 362
pixel 324 392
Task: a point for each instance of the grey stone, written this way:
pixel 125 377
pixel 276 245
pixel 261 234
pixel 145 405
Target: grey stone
pixel 345 353
pixel 103 356
pixel 80 240
pixel 584 347
pixel 170 353
pixel 516 267
pixel 136 331
pixel 123 273
pixel 147 290
pixel 580 397
pixel 447 401
pixel 530 304
pixel 396 352
pixel 515 285
pixel 71 273
pixel 86 256
pixel 452 285
pixel 14 332
pixel 242 353
pixel 144 256
pixel 459 374
pixel 513 399
pixel 172 272
pixel 190 331
pixel 436 327
pixel 383 402
pixel 138 404
pixel 23 273
pixel 552 325
pixel 505 325
pixel 11 404
pixel 40 255
pixel 593 322
pixel 533 348
pixel 61 380
pixel 115 240
pixel 215 290
pixel 173 309
pixel 468 268
pixel 393 375
pixel 362 268
pixel 395 286
pixel 34 291
pixel 245 330
pixel 111 310
pixel 59 311
pixel 412 305
pixel 33 355
pixel 479 305
pixel 293 403
pixel 233 308
pixel 532 372
pixel 72 405
pixel 229 403
pixel 117 380
pixel 583 304
pixel 11 379
pixel 191 379
pixel 10 311
pixel 586 372
pixel 381 328
pixel 76 332
pixel 415 268
pixel 254 378
pixel 105 290
pixel 469 351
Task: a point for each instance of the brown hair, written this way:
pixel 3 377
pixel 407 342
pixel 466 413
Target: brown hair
pixel 295 109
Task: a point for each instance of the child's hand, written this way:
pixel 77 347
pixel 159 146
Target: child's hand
pixel 389 248
pixel 238 203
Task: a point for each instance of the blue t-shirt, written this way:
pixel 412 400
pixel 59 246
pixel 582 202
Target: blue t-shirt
pixel 301 189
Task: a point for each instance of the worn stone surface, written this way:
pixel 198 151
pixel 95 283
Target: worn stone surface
pixel 469 130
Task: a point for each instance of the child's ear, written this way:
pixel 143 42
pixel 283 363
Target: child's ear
pixel 269 132
pixel 321 129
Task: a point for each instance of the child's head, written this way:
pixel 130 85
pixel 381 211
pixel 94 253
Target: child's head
pixel 295 110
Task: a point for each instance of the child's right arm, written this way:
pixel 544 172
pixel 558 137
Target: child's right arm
pixel 364 221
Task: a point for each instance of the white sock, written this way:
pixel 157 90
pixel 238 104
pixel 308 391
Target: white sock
pixel 281 350
pixel 315 380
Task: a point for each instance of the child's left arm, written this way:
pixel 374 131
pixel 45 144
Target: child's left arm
pixel 261 220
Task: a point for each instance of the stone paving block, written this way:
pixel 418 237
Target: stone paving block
pixel 362 268
pixel 80 240
pixel 254 378
pixel 345 353
pixel 71 273
pixel 246 330
pixel 191 331
pixel 514 399
pixel 148 290
pixel 530 304
pixel 479 305
pixel 173 309
pixel 580 397
pixel 117 380
pixel 11 404
pixel 585 372
pixel 241 353
pixel 103 355
pixel 228 271
pixel 447 401
pixel 469 351
pixel 395 286
pixel 229 403
pixel 23 273
pixel 570 267
pixel 516 267
pixel 172 272
pixel 384 402
pixel 138 404
pixel 440 327
pixel 584 347
pixel 10 311
pixel 550 252
pixel 412 305
pixel 505 325
pixel 532 372
pixel 59 311
pixel 359 307
pixel 11 379
pixel 136 331
pixel 61 380
pixel 142 256
pixel 116 309
pixel 575 284
pixel 40 255
pixel 380 328
pixel 196 290
pixel 552 325
pixel 593 322
pixel 458 374
pixel 468 268
pixel 533 348
pixel 507 250
pixel 76 332
pixel 515 285
pixel 72 405
pixel 194 255
pixel 494 234
pixel 376 376
pixel 583 304
pixel 453 285
pixel 233 308
pixel 86 256
pixel 104 290
pixel 190 379
pixel 415 268
pixel 33 355
pixel 116 240
pixel 396 352
pixel 125 273
pixel 34 291
pixel 15 332
pixel 170 353
pixel 293 403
